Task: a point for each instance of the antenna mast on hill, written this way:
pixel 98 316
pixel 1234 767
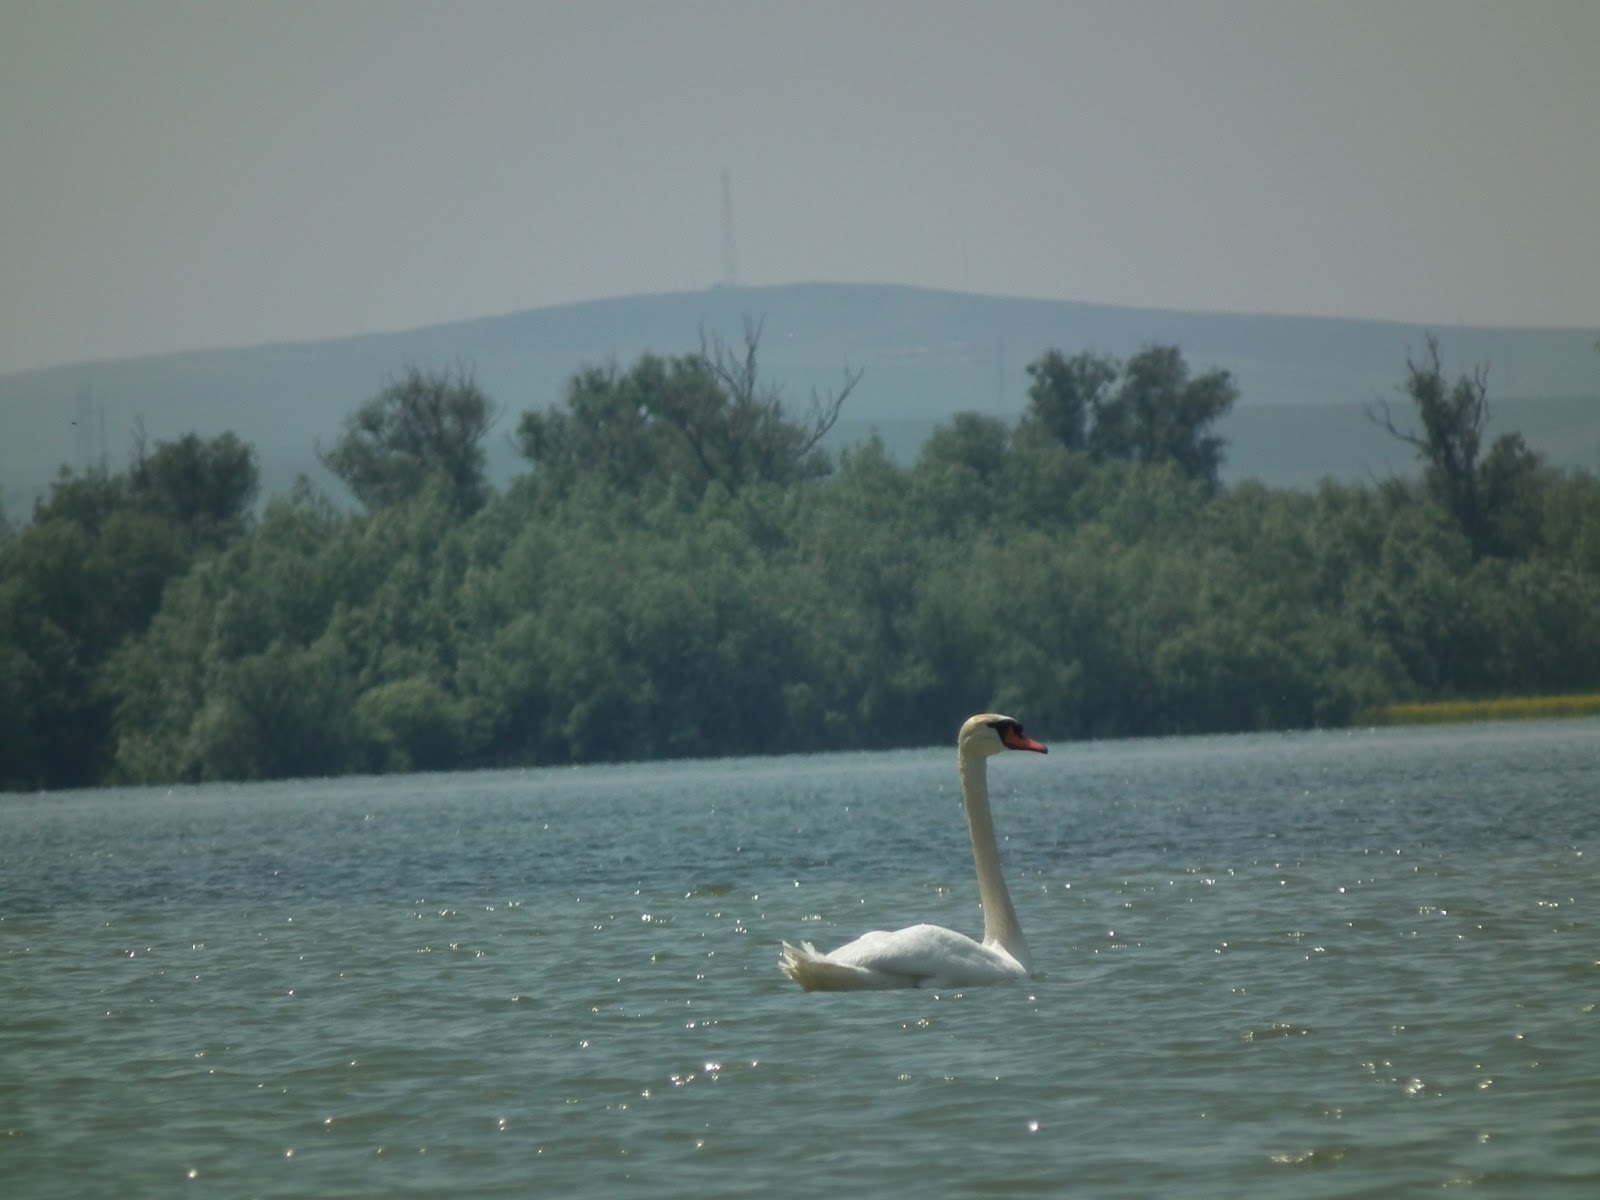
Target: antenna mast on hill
pixel 89 425
pixel 730 255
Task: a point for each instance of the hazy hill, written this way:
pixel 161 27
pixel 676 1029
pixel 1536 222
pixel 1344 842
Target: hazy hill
pixel 926 355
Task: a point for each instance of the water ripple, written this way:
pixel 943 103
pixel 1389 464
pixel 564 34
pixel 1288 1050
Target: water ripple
pixel 1332 964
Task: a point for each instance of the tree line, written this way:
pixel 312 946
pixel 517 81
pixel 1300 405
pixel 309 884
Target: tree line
pixel 685 569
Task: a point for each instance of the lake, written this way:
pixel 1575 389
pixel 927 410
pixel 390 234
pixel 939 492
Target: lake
pixel 1358 963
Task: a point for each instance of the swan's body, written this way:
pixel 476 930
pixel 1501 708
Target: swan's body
pixel 930 955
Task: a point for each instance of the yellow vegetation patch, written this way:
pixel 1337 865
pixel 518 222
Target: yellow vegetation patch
pixel 1514 708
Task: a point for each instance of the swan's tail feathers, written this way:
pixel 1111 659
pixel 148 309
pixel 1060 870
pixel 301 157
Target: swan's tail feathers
pixel 814 972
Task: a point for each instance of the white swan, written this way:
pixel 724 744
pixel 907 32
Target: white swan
pixel 931 956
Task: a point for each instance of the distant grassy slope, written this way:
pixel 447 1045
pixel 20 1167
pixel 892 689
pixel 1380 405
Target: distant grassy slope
pixel 927 355
pixel 1511 708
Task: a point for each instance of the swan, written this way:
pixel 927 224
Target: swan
pixel 931 956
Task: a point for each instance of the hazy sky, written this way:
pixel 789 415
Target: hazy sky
pixel 178 175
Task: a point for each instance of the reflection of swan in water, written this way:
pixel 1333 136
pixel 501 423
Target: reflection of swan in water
pixel 930 955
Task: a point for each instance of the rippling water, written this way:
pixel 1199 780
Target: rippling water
pixel 1317 965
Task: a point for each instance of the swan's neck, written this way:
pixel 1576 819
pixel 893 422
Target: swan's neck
pixel 1000 927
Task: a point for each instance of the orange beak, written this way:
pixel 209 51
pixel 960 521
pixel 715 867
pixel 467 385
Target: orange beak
pixel 1015 740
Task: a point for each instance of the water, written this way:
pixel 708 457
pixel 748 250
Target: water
pixel 1343 964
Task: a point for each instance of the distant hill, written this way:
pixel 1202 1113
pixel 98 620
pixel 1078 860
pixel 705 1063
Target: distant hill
pixel 926 355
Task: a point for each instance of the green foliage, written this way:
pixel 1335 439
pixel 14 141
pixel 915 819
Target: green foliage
pixel 1493 497
pixel 1147 409
pixel 89 573
pixel 285 711
pixel 682 574
pixel 413 723
pixel 1067 394
pixel 345 605
pixel 204 487
pixel 691 421
pixel 424 425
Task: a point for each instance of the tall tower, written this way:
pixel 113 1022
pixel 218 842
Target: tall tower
pixel 730 254
pixel 83 427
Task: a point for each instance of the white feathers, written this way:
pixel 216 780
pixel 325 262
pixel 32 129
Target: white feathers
pixel 929 955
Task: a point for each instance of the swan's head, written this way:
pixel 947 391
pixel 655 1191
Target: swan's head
pixel 990 733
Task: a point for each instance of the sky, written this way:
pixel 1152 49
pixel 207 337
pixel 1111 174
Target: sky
pixel 181 175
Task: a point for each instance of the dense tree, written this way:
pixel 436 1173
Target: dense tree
pixel 641 594
pixel 1159 413
pixel 88 573
pixel 206 487
pixel 608 429
pixel 1066 394
pixel 1491 496
pixel 959 471
pixel 693 420
pixel 1148 409
pixel 425 424
pixel 361 606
